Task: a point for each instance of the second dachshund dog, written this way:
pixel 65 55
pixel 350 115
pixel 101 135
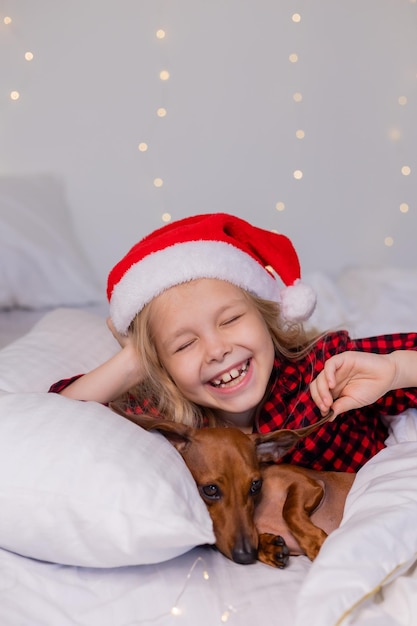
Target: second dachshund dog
pixel 260 509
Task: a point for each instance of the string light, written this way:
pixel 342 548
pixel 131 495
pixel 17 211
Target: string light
pixel 405 170
pixel 298 174
pixel 297 97
pixel 402 100
pixel 142 147
pixel 166 217
pixel 160 34
pixel 29 56
pixel 164 75
pixel 394 134
pixel 227 613
pixel 404 207
pixel 389 242
pixel 293 57
pixel 280 206
pixel 176 611
pixel 158 182
pixel 14 95
pixel 7 20
pixel 296 17
pixel 161 112
pixel 300 134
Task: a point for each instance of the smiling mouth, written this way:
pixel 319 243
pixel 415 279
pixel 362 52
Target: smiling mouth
pixel 232 377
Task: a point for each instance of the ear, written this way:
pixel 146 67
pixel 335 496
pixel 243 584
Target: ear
pixel 273 446
pixel 179 435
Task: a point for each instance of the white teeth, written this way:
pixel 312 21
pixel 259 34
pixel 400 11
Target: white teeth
pixel 232 375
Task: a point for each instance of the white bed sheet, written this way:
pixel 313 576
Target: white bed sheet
pixel 199 588
pixel 365 574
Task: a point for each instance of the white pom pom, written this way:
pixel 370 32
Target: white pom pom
pixel 297 302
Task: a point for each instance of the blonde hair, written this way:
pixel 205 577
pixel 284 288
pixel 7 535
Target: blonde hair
pixel 158 392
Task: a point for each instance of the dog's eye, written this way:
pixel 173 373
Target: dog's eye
pixel 211 491
pixel 256 487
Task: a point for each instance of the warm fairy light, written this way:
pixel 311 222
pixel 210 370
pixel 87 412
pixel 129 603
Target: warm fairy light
pixel 158 182
pixel 280 206
pixel 227 613
pixel 296 18
pixel 29 56
pixel 164 75
pixel 160 33
pixel 389 241
pixel 161 112
pixel 297 97
pixel 406 170
pixel 166 217
pixel 14 95
pixel 298 174
pixel 7 20
pixel 142 147
pixel 402 100
pixel 404 207
pixel 394 134
pixel 300 134
pixel 176 611
pixel 293 57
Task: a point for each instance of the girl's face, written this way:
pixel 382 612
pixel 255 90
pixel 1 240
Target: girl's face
pixel 215 345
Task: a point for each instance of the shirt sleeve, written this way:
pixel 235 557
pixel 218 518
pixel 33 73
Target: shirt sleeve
pixel 63 384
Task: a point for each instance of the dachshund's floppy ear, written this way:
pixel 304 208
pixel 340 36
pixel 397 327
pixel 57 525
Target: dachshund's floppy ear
pixel 179 435
pixel 273 446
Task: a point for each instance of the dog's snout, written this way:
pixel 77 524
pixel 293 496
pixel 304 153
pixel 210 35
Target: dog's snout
pixel 244 557
pixel 244 552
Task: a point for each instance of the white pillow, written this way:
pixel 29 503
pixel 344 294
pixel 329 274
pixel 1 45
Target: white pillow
pixel 63 343
pixel 41 262
pixel 80 485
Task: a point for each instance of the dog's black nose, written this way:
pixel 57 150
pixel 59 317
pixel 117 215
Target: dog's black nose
pixel 244 556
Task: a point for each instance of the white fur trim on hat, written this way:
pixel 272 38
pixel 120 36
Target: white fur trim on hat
pixel 181 263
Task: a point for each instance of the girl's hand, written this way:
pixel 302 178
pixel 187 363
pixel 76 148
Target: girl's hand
pixel 112 378
pixel 351 380
pixel 123 340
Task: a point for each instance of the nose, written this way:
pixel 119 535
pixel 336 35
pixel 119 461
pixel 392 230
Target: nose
pixel 217 347
pixel 244 553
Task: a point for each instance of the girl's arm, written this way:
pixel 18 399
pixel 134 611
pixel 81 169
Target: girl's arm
pixel 354 379
pixel 107 381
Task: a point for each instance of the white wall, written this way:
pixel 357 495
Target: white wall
pixel 228 143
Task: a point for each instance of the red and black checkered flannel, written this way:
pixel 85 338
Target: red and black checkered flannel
pixel 354 437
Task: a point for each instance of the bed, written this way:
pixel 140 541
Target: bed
pixel 101 523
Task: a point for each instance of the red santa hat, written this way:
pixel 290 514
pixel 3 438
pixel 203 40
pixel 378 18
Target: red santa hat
pixel 209 246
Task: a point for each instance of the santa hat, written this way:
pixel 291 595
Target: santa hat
pixel 209 246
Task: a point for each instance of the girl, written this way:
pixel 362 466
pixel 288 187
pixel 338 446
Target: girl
pixel 208 337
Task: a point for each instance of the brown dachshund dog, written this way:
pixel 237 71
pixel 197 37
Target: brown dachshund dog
pixel 260 509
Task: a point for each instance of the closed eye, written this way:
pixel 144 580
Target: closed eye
pixel 184 346
pixel 232 319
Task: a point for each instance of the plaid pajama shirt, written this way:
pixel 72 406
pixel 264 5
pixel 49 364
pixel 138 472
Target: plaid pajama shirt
pixel 354 437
